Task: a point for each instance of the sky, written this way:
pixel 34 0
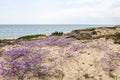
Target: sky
pixel 60 12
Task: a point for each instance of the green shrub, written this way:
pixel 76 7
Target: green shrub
pixel 111 75
pixel 117 35
pixel 88 29
pixel 3 41
pixel 86 76
pixel 111 27
pixel 57 33
pixel 28 37
pixel 94 33
pixel 116 38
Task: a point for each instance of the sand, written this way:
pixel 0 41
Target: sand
pixel 83 64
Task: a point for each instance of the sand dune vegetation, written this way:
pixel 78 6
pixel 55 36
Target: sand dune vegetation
pixel 85 54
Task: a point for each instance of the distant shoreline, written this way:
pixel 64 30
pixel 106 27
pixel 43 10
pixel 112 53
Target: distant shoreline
pixel 13 33
pixel 57 31
pixel 39 35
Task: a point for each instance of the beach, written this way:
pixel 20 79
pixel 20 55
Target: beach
pixel 82 54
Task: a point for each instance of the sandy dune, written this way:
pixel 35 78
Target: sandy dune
pixel 82 64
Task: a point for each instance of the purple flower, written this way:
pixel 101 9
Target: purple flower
pixel 77 47
pixel 22 67
pixel 4 73
pixel 17 52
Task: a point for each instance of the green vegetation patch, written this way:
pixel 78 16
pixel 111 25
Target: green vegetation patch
pixel 28 37
pixel 57 33
pixel 116 38
pixel 111 27
pixel 117 35
pixel 86 76
pixel 88 29
pixel 94 33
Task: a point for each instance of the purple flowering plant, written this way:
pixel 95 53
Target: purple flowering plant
pixel 19 63
pixel 59 41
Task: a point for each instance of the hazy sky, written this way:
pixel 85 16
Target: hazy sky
pixel 59 11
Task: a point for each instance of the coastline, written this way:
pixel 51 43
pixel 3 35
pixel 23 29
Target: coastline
pixel 16 31
pixel 66 33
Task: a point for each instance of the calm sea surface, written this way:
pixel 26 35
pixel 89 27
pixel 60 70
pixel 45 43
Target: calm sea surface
pixel 15 31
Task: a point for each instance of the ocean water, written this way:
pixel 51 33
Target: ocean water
pixel 15 31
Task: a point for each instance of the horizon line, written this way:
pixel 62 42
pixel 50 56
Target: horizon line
pixel 60 24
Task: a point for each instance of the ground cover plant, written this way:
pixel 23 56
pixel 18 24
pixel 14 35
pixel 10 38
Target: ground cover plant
pixel 24 62
pixel 54 57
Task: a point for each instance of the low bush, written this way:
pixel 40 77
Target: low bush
pixel 117 35
pixel 111 27
pixel 88 29
pixel 94 33
pixel 28 37
pixel 57 34
pixel 117 38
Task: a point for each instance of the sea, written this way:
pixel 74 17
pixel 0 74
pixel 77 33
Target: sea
pixel 16 31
